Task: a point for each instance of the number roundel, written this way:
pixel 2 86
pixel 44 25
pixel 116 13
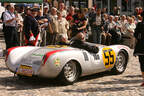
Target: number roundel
pixel 109 57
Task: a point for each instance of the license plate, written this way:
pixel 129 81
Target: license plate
pixel 25 70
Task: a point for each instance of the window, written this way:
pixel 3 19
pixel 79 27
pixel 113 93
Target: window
pixel 98 3
pixel 79 3
pixel 105 3
pixel 126 5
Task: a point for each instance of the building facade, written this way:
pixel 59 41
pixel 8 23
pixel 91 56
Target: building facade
pixel 76 3
pixel 126 6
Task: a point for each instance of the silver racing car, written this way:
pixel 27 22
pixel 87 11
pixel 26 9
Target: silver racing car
pixel 65 62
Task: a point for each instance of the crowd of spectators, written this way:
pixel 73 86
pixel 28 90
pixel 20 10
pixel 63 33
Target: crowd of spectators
pixel 56 26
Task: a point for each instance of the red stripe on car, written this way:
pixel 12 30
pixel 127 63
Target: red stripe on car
pixel 9 50
pixel 53 52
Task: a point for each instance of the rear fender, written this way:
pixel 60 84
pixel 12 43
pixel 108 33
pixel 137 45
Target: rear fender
pixel 15 55
pixel 55 63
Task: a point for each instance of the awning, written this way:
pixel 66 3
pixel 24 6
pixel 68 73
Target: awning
pixel 22 1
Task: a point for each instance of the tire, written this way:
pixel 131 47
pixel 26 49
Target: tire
pixel 20 77
pixel 121 63
pixel 70 73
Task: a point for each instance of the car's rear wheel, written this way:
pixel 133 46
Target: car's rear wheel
pixel 70 73
pixel 22 77
pixel 121 63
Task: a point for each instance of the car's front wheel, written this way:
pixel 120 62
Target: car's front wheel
pixel 70 73
pixel 121 63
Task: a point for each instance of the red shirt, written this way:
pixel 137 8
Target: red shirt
pixel 69 17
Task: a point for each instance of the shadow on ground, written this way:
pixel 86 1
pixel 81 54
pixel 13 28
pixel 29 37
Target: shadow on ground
pixel 14 83
pixel 99 89
pixel 26 83
pixel 133 76
pixel 114 82
pixel 118 81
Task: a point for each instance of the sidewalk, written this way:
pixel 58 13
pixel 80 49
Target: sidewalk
pixel 2 45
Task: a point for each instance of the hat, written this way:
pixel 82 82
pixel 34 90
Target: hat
pixel 36 6
pixel 27 8
pixel 35 9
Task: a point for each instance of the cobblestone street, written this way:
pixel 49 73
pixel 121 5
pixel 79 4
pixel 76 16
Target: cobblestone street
pixel 126 84
pixel 66 39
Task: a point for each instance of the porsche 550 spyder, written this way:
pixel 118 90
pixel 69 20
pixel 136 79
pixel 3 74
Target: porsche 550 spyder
pixel 65 62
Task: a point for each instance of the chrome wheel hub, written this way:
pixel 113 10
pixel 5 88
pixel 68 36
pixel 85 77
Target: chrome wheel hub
pixel 70 71
pixel 121 62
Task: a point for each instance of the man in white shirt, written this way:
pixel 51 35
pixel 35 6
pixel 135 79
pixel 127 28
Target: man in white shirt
pixel 52 35
pixel 11 36
pixel 118 28
pixel 123 23
pixel 62 10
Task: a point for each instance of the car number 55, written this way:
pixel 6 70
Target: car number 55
pixel 109 57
